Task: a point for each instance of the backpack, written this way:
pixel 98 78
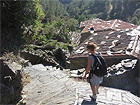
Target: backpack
pixel 99 67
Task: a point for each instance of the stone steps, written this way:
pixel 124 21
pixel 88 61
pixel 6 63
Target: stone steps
pixel 54 87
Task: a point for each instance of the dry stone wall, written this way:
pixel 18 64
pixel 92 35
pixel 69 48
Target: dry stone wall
pixel 78 63
pixel 81 62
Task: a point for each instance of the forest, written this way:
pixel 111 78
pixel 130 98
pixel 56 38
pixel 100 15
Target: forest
pixel 47 21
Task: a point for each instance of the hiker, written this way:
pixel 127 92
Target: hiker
pixel 94 80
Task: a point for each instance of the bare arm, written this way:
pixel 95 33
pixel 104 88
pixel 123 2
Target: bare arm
pixel 88 67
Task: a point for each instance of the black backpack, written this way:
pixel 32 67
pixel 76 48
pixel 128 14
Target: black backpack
pixel 99 67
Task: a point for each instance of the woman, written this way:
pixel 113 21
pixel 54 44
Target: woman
pixel 95 81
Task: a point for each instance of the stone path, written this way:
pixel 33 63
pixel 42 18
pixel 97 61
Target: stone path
pixel 51 86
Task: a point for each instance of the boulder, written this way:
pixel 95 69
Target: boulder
pixel 12 81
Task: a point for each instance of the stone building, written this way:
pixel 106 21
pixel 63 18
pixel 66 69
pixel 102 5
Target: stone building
pixel 116 40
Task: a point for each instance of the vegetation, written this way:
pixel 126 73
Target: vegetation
pixel 104 9
pixel 39 22
pixel 88 9
pixel 19 22
pixel 136 17
pixel 53 10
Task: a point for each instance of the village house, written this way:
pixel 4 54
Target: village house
pixel 116 40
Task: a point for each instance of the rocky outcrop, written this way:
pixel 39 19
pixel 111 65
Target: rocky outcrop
pixel 47 55
pixel 12 80
pixel 122 76
pixel 36 58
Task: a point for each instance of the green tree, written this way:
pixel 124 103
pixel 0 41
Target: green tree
pixel 86 8
pixel 65 1
pixel 17 16
pixel 137 13
pixel 53 10
pixel 134 20
pixel 72 24
pixel 81 18
pixel 136 17
pixel 57 31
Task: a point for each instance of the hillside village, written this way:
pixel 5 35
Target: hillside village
pixel 119 43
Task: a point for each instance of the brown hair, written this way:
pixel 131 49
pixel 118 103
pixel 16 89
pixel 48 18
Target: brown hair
pixel 91 46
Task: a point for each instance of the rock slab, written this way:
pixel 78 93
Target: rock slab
pixel 52 86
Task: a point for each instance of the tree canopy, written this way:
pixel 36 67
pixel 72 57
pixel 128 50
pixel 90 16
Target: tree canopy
pixel 17 16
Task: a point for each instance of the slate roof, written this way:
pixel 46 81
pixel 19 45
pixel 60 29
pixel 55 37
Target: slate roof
pixel 101 25
pixel 75 37
pixel 112 43
pixel 136 50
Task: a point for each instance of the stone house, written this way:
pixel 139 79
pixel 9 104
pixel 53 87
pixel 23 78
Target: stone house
pixel 116 40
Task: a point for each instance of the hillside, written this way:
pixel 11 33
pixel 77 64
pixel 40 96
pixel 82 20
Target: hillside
pixel 127 10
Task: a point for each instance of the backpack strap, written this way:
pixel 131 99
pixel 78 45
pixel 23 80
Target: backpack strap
pixel 97 59
pixel 93 65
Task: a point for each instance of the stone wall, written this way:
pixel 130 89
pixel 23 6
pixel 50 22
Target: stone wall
pixel 122 76
pixel 81 62
pixel 120 81
pixel 84 36
pixel 78 63
pixel 36 59
pixel 115 60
